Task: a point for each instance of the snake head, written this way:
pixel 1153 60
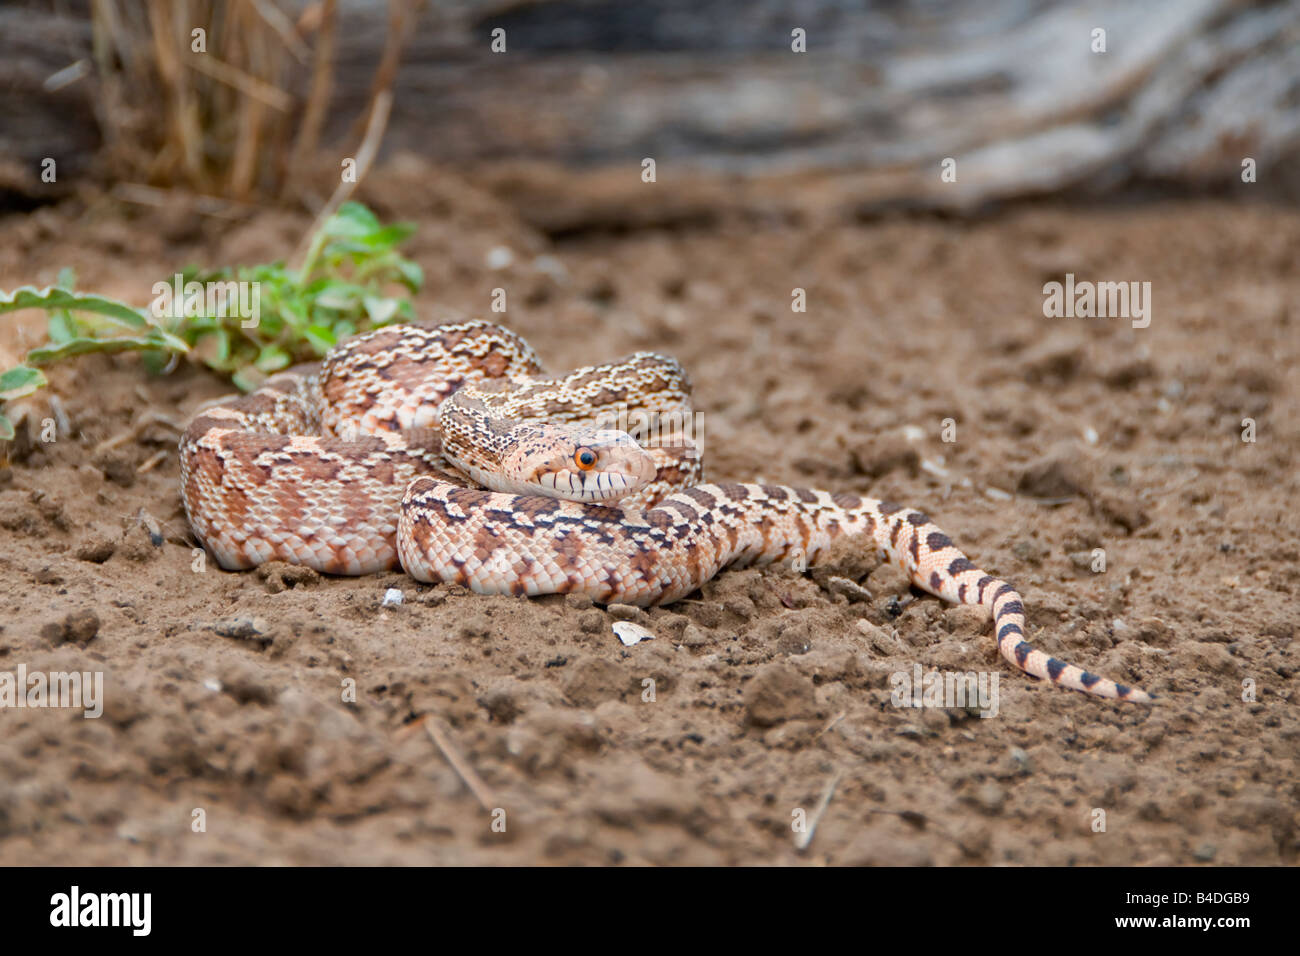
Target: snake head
pixel 576 464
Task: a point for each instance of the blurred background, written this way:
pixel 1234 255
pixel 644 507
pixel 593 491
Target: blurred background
pixel 125 95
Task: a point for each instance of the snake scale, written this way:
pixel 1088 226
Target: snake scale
pixel 447 449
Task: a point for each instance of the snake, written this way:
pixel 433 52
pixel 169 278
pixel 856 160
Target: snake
pixel 447 450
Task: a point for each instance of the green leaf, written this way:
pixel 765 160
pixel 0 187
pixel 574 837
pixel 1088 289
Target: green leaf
pixel 6 428
pixel 352 220
pixel 341 296
pixel 272 358
pixel 157 362
pixel 410 274
pixel 156 339
pixel 29 297
pixel 381 311
pixel 247 379
pixel 67 279
pixel 213 348
pixel 20 381
pixel 61 327
pixel 321 338
pixel 374 242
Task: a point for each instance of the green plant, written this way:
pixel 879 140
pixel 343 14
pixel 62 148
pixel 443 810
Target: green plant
pixel 342 288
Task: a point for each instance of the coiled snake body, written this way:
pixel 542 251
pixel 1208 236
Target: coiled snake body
pixel 377 456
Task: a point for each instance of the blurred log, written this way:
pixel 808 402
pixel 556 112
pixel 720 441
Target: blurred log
pixel 37 123
pixel 1009 89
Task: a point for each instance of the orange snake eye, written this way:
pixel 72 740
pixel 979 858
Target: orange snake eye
pixel 585 459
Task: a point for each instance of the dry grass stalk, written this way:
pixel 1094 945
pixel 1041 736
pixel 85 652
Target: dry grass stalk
pixel 236 111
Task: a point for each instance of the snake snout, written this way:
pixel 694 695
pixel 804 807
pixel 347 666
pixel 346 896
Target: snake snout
pixel 603 467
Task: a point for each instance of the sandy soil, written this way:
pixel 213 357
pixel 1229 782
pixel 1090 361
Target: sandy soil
pixel 224 690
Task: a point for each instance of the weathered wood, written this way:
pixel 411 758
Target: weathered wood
pixel 1010 89
pixel 36 123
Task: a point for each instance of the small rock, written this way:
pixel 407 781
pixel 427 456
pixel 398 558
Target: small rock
pixel 48 575
pixel 1058 475
pixel 1021 759
pixel 593 680
pixel 280 576
pixel 990 798
pixel 96 548
pixel 741 606
pixel 777 693
pixel 855 593
pixel 879 639
pixel 82 626
pixel 1081 560
pixel 693 636
pixel 1124 512
pixel 707 614
pixel 591 622
pixel 1029 551
pixel 117 468
pixel 879 456
pixel 476 627
pixel 502 705
pixel 392 597
pixel 499 257
pixel 138 544
pixel 243 629
pixel 626 612
pixel 794 636
pixel 78 627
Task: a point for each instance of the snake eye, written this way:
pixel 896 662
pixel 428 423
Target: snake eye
pixel 585 459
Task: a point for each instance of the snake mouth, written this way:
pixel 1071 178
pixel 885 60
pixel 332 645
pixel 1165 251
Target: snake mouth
pixel 591 486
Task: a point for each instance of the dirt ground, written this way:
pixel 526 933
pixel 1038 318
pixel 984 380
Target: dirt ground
pixel 224 690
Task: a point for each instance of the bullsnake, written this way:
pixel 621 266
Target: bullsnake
pixel 376 455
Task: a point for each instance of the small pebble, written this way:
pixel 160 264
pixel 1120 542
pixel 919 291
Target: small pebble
pixel 630 633
pixel 499 257
pixel 625 612
pixel 392 597
pixel 991 798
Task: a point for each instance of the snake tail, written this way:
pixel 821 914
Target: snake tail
pixel 495 543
